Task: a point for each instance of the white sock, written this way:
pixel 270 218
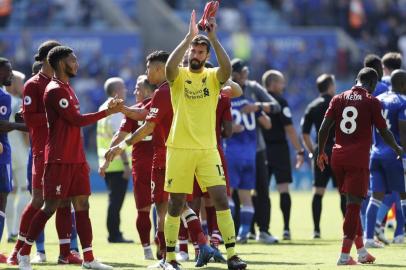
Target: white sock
pixel 23 199
pixel 362 251
pixel 10 213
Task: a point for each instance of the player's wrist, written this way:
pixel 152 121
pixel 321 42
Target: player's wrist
pixel 301 152
pixel 123 145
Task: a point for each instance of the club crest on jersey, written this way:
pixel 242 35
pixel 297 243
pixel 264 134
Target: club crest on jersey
pixel 64 103
pixel 3 110
pixel 58 189
pixel 27 100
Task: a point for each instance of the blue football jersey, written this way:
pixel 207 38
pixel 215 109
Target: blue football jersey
pixel 242 145
pixel 5 111
pixel 381 87
pixel 393 109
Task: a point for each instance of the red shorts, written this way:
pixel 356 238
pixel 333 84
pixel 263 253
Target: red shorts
pixel 352 180
pixel 62 181
pixel 38 164
pixel 142 185
pixel 158 194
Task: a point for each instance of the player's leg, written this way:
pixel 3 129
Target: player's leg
pixel 209 174
pixel 246 215
pixel 378 188
pixel 399 236
pixel 142 197
pixel 261 200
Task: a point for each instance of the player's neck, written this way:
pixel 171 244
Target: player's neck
pixel 200 70
pixel 47 70
pixel 62 77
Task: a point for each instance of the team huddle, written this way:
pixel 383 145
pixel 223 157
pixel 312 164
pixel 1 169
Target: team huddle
pixel 199 133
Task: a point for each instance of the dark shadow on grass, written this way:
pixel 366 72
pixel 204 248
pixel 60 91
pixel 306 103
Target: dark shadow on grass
pixel 302 244
pixel 387 265
pixel 131 265
pixel 273 263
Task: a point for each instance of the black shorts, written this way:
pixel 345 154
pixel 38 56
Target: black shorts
pixel 279 162
pixel 321 178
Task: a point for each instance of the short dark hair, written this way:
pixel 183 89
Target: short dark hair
pixel 324 81
pixel 375 62
pixel 201 40
pixel 36 67
pixel 4 61
pixel 392 60
pixel 398 79
pixel 368 76
pixel 158 56
pixel 58 53
pixel 44 49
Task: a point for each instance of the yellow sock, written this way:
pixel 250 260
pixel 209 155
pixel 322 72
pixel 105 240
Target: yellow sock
pixel 171 230
pixel 226 226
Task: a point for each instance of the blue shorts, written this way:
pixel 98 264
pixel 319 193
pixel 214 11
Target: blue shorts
pixel 387 175
pixel 6 184
pixel 242 173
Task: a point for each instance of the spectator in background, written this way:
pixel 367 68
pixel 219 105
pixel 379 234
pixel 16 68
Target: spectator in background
pixel 5 12
pixel 119 171
pixel 19 142
pixel 277 145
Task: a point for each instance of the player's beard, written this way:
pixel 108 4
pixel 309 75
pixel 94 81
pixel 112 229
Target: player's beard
pixel 7 82
pixel 196 64
pixel 70 73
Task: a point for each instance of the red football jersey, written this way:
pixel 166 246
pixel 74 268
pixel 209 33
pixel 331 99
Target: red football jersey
pixel 65 142
pixel 355 112
pixel 34 111
pixel 223 113
pixel 142 151
pixel 161 114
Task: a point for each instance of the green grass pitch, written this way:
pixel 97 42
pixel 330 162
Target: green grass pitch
pixel 301 253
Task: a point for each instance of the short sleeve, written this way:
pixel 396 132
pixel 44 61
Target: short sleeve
pixel 160 105
pixel 227 109
pixel 402 111
pixel 126 125
pixel 177 84
pixel 212 74
pixel 330 113
pixel 307 121
pixel 377 117
pixel 286 114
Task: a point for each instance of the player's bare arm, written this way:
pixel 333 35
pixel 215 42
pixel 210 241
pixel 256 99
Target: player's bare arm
pixel 387 136
pixel 117 138
pixel 322 158
pixel 232 89
pixel 172 65
pixel 265 121
pixel 308 143
pixel 134 113
pixel 402 133
pixel 224 71
pixel 226 129
pixel 294 139
pixel 146 129
pixel 6 126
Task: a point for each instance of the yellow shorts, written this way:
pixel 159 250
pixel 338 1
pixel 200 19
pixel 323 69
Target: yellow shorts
pixel 183 164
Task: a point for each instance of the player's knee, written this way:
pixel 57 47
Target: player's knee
pixel 353 199
pixel 319 191
pixel 37 202
pixel 176 204
pixel 378 195
pixel 81 203
pixel 50 206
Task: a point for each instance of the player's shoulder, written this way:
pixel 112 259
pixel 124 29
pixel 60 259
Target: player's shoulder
pixel 32 82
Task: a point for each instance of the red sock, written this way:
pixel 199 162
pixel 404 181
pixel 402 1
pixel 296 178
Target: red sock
pixel 63 222
pixel 26 218
pixel 211 219
pixel 350 226
pixel 162 243
pixel 359 241
pixel 183 238
pixel 37 225
pixel 84 229
pixel 195 229
pixel 143 224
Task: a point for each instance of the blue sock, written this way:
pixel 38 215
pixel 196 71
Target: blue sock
pixel 403 204
pixel 371 213
pixel 400 221
pixel 2 218
pixel 246 215
pixel 154 219
pixel 40 243
pixel 232 207
pixel 383 210
pixel 74 235
pixel 364 206
pixel 205 228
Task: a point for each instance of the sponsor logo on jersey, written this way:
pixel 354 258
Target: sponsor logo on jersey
pixel 3 110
